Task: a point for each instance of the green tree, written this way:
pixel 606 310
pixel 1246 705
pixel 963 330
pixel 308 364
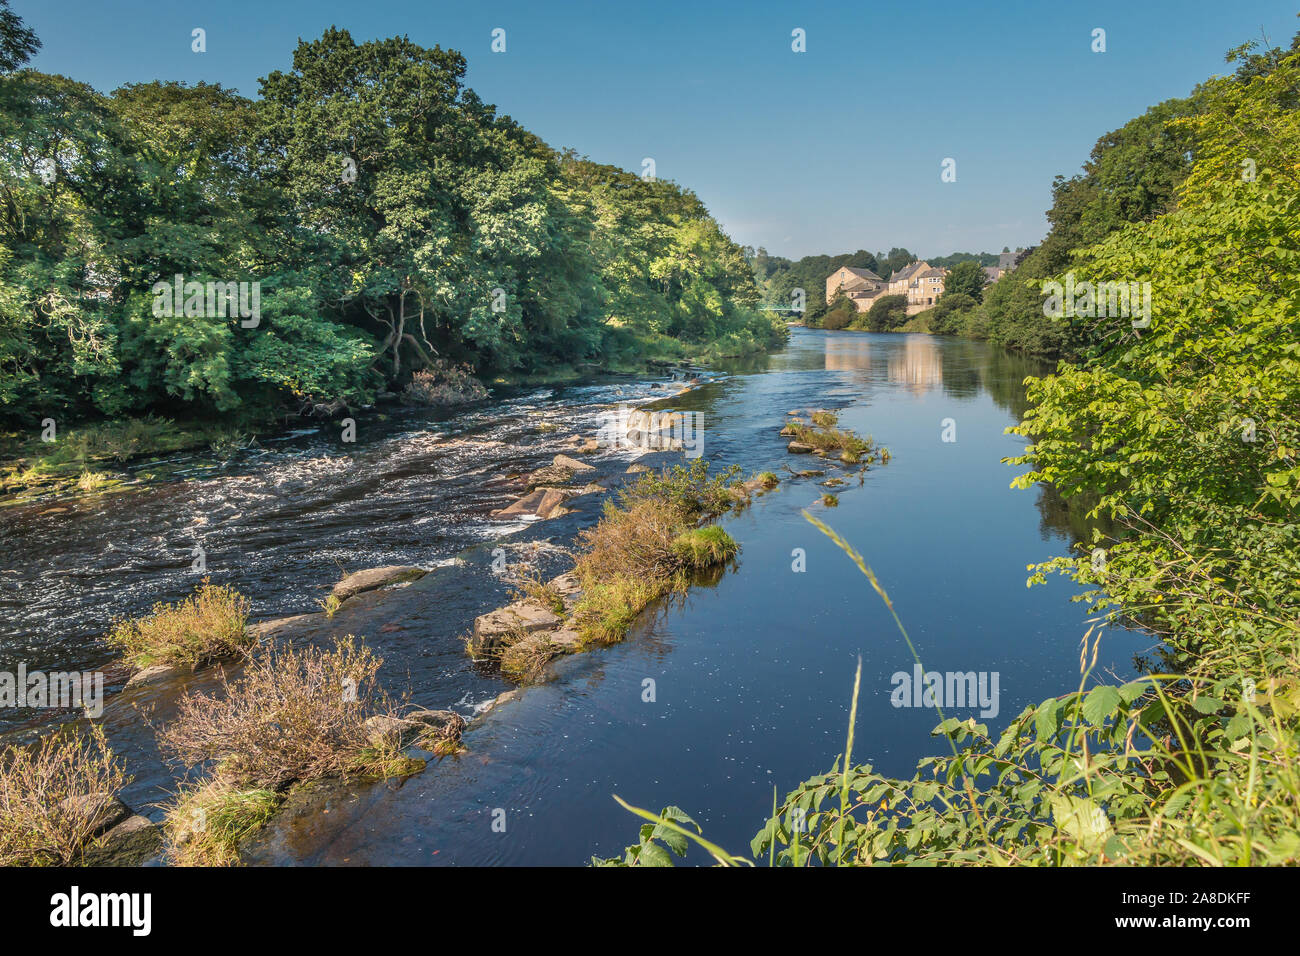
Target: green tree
pixel 17 42
pixel 965 278
pixel 887 313
pixel 948 316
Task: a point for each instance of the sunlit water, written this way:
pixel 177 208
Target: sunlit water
pixel 709 704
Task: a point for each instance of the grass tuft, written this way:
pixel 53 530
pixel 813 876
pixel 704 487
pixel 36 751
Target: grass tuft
pixel 206 626
pixel 704 547
pixel 208 821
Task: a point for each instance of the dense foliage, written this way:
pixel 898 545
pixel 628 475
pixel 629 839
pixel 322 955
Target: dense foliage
pixel 389 218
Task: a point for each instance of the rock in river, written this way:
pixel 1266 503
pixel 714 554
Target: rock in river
pixel 372 578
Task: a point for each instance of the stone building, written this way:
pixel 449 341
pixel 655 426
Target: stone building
pixel 860 285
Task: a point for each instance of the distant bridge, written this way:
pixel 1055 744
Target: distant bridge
pixel 779 308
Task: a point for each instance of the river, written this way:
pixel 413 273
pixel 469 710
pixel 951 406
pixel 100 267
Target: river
pixel 711 701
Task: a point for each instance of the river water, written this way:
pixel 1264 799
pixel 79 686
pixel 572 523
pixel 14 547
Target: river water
pixel 710 703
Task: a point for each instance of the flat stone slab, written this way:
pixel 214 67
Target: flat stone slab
pixel 99 810
pixel 566 584
pixel 155 673
pixel 372 578
pixel 265 629
pixel 799 448
pixel 382 729
pixel 541 503
pixel 566 640
pixel 527 616
pixel 550 475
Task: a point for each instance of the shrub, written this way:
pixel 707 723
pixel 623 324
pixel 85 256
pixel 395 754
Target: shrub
pixel 443 383
pixel 887 313
pixel 837 319
pixel 41 820
pixel 636 552
pixel 206 626
pixel 950 314
pixel 293 715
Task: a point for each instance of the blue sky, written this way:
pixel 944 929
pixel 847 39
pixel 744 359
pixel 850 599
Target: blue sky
pixel 830 150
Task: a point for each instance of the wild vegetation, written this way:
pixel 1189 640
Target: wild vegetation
pixel 826 435
pixel 1134 175
pixel 648 542
pixel 48 794
pixel 399 231
pixel 292 716
pixel 206 626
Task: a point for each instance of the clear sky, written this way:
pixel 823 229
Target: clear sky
pixel 830 150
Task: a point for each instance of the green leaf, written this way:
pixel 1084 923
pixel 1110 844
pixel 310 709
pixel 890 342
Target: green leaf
pixel 652 854
pixel 1100 703
pixel 1047 719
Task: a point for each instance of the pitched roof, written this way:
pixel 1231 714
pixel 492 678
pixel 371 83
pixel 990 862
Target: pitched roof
pixel 933 272
pixel 862 273
pixel 906 272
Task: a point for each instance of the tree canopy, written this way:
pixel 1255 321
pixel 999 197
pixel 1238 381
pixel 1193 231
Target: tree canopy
pixel 388 218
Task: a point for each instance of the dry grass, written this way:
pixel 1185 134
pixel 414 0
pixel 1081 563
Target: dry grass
pixel 91 481
pixel 532 586
pixel 39 820
pixel 645 544
pixel 633 541
pixel 292 715
pixel 206 626
pixel 524 660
